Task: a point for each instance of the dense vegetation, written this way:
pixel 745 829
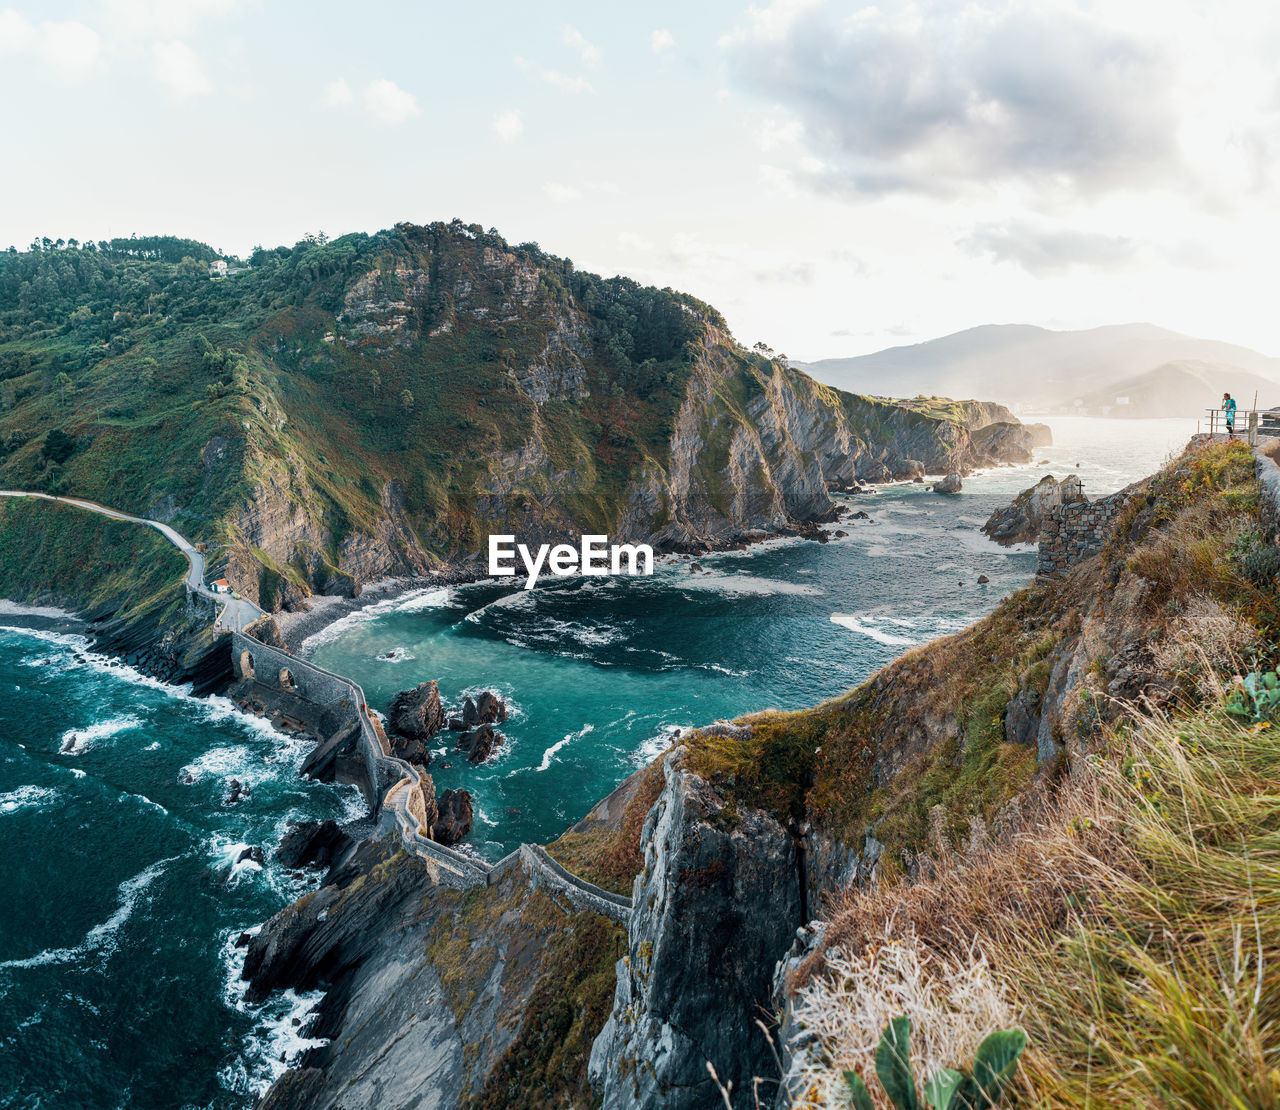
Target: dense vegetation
pixel 130 372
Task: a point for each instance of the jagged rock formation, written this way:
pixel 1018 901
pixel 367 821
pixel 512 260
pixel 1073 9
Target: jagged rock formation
pixel 1021 521
pixel 716 905
pixel 436 997
pixel 414 717
pixel 486 709
pixel 478 743
pixel 318 844
pixel 950 484
pixel 453 817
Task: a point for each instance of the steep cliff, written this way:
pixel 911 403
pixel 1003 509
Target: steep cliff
pixel 375 406
pixel 437 997
pixel 950 749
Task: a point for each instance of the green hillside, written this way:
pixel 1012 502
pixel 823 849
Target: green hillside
pixel 333 412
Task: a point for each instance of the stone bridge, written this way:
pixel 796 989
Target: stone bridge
pixel 274 667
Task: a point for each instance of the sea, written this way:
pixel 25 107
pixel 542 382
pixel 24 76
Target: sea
pixel 125 862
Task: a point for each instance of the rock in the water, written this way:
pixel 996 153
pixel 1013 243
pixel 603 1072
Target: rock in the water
pixel 983 580
pixel 486 709
pixel 918 479
pixel 253 854
pixel 317 844
pixel 479 743
pixel 860 515
pixel 1021 521
pixel 237 791
pixel 416 714
pixel 950 484
pixel 453 817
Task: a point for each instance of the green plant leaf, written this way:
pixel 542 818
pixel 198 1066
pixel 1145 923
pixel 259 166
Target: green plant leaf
pixel 940 1091
pixel 859 1096
pixel 893 1064
pixel 996 1061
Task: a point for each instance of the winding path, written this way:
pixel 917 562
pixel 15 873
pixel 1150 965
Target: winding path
pixel 237 613
pixel 458 869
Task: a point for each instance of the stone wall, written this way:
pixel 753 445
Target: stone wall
pixel 1269 480
pixel 1073 532
pixel 274 668
pixel 342 699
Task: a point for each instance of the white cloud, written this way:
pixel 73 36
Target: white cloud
pixel 561 194
pixel 337 93
pixel 589 54
pixel 970 97
pixel 16 33
pixel 634 241
pixel 566 83
pixel 661 40
pixel 387 102
pixel 70 49
pixel 508 126
pixel 163 18
pixel 180 69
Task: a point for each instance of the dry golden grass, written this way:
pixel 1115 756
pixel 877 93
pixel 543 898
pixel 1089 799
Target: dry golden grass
pixel 1133 926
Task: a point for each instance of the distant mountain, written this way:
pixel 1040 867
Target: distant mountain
pixel 1181 389
pixel 1035 368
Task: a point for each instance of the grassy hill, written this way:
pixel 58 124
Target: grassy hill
pixel 334 412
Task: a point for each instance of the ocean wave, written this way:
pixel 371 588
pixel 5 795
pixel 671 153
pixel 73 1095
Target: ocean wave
pixel 77 740
pixel 550 753
pixel 279 1037
pixel 747 584
pixel 428 597
pixel 854 624
pixel 658 743
pixel 100 940
pixel 26 797
pixel 397 655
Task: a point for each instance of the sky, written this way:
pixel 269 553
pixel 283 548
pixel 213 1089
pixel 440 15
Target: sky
pixel 835 177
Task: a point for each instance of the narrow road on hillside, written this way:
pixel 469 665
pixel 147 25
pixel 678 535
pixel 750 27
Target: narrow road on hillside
pixel 236 612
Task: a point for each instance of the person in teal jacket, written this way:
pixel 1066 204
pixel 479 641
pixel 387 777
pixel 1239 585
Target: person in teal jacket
pixel 1229 408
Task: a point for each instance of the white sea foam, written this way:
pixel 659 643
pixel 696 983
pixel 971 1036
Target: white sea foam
pixel 26 797
pixel 100 940
pixel 77 740
pixel 550 753
pixel 397 655
pixel 17 609
pixel 855 624
pixel 747 584
pixel 429 597
pixel 658 743
pixel 279 1036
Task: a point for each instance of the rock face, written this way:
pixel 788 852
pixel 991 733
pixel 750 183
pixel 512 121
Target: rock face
pixel 434 998
pixel 453 817
pixel 950 484
pixel 413 717
pixel 716 906
pixel 478 744
pixel 319 844
pixel 1021 521
pixel 487 709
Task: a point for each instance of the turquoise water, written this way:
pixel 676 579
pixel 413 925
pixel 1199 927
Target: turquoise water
pixel 599 672
pixel 122 896
pixel 117 958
